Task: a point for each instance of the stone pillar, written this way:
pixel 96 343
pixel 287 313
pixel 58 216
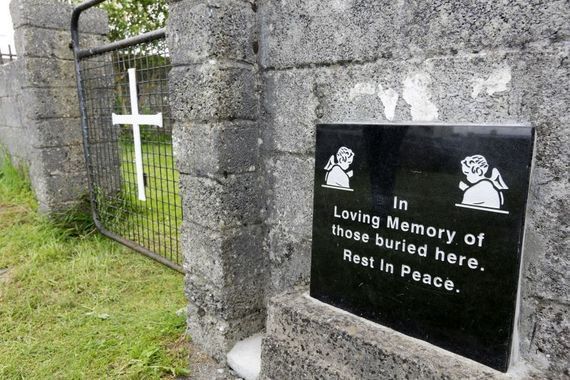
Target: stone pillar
pixel 213 92
pixel 50 110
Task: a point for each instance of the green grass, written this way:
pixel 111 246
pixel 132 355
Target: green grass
pixel 75 305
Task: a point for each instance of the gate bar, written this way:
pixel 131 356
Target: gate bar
pixel 83 53
pixel 141 38
pixel 75 20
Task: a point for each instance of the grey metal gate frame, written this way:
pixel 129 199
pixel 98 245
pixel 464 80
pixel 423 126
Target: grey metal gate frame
pixel 79 55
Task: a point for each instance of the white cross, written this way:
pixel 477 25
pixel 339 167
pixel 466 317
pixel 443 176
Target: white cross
pixel 136 121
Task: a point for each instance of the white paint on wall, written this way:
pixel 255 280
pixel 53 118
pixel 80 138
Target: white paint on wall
pixel 362 88
pixel 496 82
pixel 389 98
pixel 417 94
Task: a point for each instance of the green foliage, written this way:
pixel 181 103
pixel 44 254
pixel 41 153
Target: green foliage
pixel 76 305
pixel 76 221
pixel 14 182
pixel 128 18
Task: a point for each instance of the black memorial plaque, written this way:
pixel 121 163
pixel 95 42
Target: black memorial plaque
pixel 420 228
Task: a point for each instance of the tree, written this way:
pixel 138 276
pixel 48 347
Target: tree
pixel 128 18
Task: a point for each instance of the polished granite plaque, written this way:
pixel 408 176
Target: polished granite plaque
pixel 420 228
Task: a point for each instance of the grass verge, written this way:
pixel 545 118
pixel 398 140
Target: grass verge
pixel 76 305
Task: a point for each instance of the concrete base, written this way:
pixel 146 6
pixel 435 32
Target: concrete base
pixel 307 339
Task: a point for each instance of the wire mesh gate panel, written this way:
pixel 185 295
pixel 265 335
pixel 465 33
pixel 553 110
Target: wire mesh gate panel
pixel 127 136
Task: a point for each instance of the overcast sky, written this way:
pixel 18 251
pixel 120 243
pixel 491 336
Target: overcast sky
pixel 6 30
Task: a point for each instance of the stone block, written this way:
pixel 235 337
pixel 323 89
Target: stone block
pixel 546 102
pixel 288 364
pixel 354 31
pixel 546 239
pixel 47 103
pixel 49 43
pixel 10 111
pixel 222 201
pixel 295 33
pixel 230 260
pixel 449 25
pixel 224 309
pixel 474 88
pixel 213 92
pixel 56 15
pixel 367 92
pixel 57 193
pixel 43 108
pixel 497 87
pixel 289 105
pixel 478 88
pixel 45 72
pixel 350 347
pixel 216 148
pixel 548 345
pixel 57 132
pixel 9 77
pixel 227 304
pixel 291 186
pixel 198 31
pixel 11 141
pixel 59 161
pixel 290 260
pixel 217 336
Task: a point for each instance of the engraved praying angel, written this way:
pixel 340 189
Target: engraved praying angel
pixel 481 192
pixel 338 176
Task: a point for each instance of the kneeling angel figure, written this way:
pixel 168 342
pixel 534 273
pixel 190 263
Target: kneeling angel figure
pixel 337 175
pixel 481 191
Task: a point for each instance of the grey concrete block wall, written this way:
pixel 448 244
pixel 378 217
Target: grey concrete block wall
pixel 11 126
pixel 220 29
pixel 215 148
pixel 252 79
pixel 215 107
pixel 303 33
pixel 444 61
pixel 48 14
pixel 39 110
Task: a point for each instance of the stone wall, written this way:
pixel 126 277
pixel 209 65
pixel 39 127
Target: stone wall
pixel 250 81
pixel 444 61
pixel 39 114
pixel 11 126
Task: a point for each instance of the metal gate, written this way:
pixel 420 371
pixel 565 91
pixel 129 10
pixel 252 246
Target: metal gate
pixel 127 138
